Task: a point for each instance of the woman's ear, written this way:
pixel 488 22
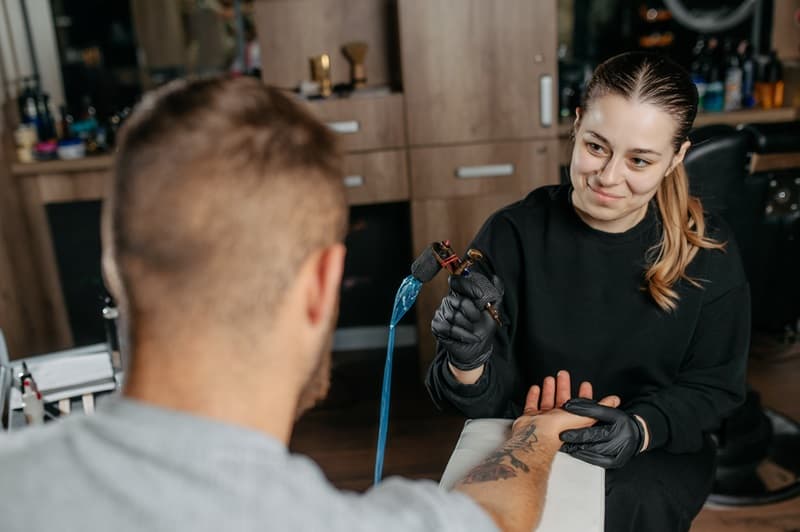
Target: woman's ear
pixel 576 124
pixel 678 158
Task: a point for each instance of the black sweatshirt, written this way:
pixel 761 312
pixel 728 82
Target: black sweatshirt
pixel 574 300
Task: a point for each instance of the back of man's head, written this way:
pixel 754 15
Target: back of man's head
pixel 220 189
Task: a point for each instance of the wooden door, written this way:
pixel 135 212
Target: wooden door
pixel 473 70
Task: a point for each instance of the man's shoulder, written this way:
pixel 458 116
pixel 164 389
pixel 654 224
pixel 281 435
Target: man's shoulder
pixel 60 461
pixel 30 445
pixel 422 505
pixel 34 462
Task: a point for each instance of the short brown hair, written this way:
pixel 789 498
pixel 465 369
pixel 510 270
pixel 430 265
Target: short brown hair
pixel 220 190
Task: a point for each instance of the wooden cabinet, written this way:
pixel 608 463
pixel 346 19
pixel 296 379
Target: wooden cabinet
pixel 483 169
pixel 370 123
pixel 477 70
pixel 470 124
pixel 480 88
pixel 364 122
pixel 376 177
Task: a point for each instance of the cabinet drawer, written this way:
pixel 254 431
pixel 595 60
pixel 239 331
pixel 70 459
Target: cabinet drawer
pixel 483 169
pixel 376 177
pixel 364 122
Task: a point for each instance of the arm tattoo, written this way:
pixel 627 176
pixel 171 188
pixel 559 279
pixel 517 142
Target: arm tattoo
pixel 493 467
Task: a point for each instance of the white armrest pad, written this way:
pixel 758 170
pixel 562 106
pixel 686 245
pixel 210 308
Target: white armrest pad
pixel 575 499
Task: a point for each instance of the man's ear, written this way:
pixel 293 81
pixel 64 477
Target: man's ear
pixel 327 267
pixel 108 264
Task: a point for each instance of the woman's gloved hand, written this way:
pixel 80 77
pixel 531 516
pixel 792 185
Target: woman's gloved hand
pixel 611 443
pixel 461 325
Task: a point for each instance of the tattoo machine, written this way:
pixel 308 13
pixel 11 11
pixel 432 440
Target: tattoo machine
pixel 449 260
pixel 435 257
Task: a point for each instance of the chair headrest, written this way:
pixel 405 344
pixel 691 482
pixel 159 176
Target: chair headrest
pixel 716 164
pixel 775 137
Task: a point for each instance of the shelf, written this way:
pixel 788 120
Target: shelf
pixel 747 116
pixel 85 164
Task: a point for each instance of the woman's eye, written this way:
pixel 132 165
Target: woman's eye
pixel 595 148
pixel 639 163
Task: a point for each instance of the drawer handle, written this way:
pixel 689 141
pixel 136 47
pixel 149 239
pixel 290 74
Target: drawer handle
pixel 354 181
pixel 488 170
pixel 346 127
pixel 546 100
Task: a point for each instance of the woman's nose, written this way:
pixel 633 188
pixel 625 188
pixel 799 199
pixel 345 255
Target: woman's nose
pixel 611 173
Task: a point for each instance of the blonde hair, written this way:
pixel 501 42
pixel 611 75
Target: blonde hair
pixel 682 236
pixel 655 79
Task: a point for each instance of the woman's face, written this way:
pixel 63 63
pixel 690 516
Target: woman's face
pixel 623 149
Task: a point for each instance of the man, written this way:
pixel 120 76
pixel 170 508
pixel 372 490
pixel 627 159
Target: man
pixel 222 234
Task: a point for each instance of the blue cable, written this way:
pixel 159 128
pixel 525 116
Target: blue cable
pixel 404 300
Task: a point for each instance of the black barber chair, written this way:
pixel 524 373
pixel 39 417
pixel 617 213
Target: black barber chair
pixel 756 445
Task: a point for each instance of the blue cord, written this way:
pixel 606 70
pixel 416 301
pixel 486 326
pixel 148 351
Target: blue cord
pixel 404 300
pixel 386 393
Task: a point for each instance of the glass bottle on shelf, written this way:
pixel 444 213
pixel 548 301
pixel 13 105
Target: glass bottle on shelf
pixel 699 69
pixel 733 78
pixel 748 74
pixel 714 99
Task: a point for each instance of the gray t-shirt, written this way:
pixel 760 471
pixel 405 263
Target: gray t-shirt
pixel 132 466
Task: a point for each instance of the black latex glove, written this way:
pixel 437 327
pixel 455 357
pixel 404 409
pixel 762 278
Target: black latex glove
pixel 611 443
pixel 461 325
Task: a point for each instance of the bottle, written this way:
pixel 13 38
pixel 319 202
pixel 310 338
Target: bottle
pixel 763 90
pixel 65 125
pixel 85 127
pixel 748 74
pixel 776 79
pixel 769 84
pixel 714 99
pixel 733 79
pixel 26 101
pixel 699 70
pixel 32 403
pixel 44 118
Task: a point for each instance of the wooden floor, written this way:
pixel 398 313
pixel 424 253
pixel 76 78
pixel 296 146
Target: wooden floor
pixel 777 379
pixel 340 434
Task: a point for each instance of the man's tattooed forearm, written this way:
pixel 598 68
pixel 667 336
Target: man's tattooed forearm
pixel 494 468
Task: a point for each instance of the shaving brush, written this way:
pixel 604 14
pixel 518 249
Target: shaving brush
pixel 355 53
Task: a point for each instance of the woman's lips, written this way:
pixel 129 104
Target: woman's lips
pixel 604 195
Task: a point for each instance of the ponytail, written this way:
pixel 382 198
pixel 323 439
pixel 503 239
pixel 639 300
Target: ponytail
pixel 682 236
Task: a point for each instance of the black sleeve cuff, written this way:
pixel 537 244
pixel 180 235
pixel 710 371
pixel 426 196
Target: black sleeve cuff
pixel 461 389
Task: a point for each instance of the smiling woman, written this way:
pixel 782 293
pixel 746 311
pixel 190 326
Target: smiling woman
pixel 621 279
pixel 631 137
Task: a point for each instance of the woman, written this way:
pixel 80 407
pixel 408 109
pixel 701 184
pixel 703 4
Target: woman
pixel 621 279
